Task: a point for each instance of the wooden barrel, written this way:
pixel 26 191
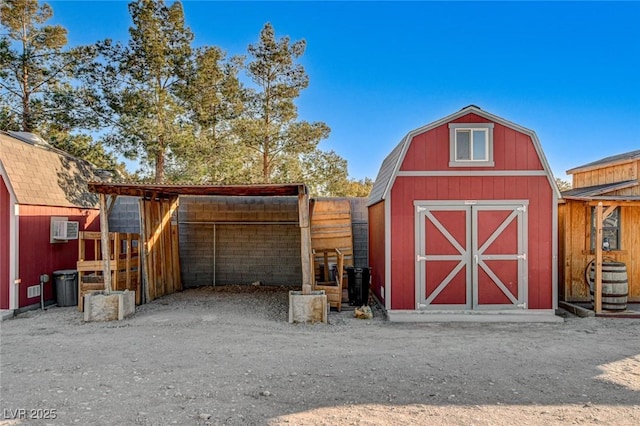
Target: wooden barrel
pixel 615 285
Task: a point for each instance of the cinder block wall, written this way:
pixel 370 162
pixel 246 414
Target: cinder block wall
pixel 360 229
pixel 240 240
pixel 125 216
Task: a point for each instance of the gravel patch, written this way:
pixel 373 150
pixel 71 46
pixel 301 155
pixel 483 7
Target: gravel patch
pixel 226 355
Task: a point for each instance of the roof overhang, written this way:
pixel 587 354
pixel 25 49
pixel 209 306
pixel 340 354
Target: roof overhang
pixel 631 200
pixel 614 160
pixel 155 191
pixel 589 192
pixel 7 183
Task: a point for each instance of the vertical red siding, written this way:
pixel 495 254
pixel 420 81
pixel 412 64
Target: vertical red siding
pixel 376 248
pixel 512 150
pixel 37 255
pixel 536 189
pixel 5 214
pixel 403 241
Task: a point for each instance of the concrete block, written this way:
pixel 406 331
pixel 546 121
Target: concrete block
pixel 307 307
pixel 116 305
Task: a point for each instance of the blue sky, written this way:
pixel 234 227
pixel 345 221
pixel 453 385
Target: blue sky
pixel 569 71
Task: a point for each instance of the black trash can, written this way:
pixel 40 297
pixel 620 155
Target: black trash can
pixel 66 282
pixel 358 290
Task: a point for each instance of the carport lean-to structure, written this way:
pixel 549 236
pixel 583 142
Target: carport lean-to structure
pixel 159 226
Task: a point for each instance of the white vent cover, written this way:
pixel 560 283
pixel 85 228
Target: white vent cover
pixel 63 230
pixel 33 291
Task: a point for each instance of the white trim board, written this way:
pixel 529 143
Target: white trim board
pixel 14 209
pixel 437 173
pixel 528 316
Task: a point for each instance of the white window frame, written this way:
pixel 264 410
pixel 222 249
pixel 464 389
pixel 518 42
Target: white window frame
pixel 454 128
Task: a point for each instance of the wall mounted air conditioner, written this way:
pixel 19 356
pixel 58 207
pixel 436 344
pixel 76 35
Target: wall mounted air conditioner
pixel 63 230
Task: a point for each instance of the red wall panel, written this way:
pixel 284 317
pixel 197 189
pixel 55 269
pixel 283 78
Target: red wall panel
pixel 37 255
pixel 536 189
pixel 376 248
pixel 5 212
pixel 512 151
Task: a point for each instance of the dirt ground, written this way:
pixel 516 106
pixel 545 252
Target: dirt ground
pixel 223 356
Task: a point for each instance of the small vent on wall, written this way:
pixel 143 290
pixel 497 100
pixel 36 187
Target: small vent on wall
pixel 33 291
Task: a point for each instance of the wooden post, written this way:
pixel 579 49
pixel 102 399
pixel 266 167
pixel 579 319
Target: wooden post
pixel 305 239
pixel 105 244
pixel 128 261
pixel 175 246
pixel 597 286
pixel 143 252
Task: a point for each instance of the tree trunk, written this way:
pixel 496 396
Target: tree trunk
pixel 160 167
pixel 266 173
pixel 26 95
pixel 26 111
pixel 26 115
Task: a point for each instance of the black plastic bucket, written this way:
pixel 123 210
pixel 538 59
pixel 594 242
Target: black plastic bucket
pixel 358 290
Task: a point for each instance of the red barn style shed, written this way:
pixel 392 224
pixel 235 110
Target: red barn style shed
pixel 39 185
pixel 462 223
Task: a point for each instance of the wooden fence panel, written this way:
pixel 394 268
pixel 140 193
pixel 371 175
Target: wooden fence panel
pixel 161 261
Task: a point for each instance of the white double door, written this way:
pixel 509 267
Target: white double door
pixel 471 255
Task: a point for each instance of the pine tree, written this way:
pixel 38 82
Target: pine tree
pixel 137 86
pixel 213 98
pixel 36 72
pixel 270 128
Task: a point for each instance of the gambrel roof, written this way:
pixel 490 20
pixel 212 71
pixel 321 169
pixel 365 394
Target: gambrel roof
pixel 38 174
pixel 391 164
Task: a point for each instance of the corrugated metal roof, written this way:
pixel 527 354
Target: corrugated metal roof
pixel 41 175
pixel 614 159
pixel 392 162
pixel 597 190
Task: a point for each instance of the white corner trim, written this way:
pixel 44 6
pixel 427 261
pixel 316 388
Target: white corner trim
pixel 14 248
pixel 387 252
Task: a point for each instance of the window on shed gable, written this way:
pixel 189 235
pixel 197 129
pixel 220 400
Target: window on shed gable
pixel 471 145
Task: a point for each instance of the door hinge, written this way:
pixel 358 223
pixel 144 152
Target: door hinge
pixel 522 305
pixel 421 306
pixel 420 258
pixel 522 256
pixel 421 209
pixel 522 209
